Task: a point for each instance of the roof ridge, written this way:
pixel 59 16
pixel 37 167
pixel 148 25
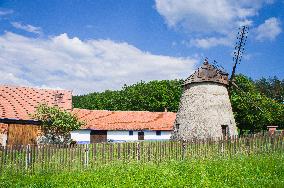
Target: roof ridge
pixel 34 87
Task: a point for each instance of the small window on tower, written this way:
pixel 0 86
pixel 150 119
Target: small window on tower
pixel 158 133
pixel 130 133
pixel 177 126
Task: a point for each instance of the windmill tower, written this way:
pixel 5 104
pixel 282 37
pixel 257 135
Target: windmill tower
pixel 205 110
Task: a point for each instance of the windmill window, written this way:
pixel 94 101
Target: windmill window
pixel 177 126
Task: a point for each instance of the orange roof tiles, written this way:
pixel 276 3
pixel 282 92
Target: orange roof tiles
pixel 19 102
pixel 125 120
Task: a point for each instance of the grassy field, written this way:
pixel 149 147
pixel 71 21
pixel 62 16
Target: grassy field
pixel 263 170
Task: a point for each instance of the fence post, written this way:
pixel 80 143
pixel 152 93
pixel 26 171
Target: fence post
pixel 86 161
pixel 138 151
pixel 28 156
pixel 183 149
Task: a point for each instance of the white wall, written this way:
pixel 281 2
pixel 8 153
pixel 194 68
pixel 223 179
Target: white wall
pixel 3 139
pixel 81 136
pixel 151 135
pixel 148 135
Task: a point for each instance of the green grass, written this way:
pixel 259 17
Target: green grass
pixel 263 170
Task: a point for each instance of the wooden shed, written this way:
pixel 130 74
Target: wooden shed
pixel 16 105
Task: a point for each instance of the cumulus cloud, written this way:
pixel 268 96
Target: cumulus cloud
pixel 270 29
pixel 83 66
pixel 27 28
pixel 207 16
pixel 212 21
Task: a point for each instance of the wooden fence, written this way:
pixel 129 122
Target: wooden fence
pixel 42 158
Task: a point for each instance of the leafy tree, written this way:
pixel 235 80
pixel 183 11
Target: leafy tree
pixel 56 124
pixel 253 110
pixel 272 88
pixel 151 96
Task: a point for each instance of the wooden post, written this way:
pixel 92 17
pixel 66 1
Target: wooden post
pixel 149 151
pixel 86 158
pixel 118 151
pixel 183 150
pixel 138 151
pixel 28 156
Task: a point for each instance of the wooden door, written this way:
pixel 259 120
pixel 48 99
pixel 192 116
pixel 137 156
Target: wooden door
pixel 140 135
pixel 225 131
pixel 22 134
pixel 98 136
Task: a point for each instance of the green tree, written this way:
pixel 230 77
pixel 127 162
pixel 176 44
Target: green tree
pixel 253 110
pixel 151 96
pixel 56 124
pixel 272 88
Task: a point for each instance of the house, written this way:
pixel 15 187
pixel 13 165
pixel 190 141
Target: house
pixel 16 105
pixel 17 127
pixel 117 126
pixel 205 109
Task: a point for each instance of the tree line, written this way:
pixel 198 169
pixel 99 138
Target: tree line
pixel 256 103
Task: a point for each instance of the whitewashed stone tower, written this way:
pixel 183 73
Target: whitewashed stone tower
pixel 205 110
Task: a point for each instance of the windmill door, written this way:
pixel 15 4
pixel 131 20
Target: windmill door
pixel 140 135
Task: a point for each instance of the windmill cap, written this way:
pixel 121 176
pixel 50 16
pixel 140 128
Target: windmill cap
pixel 208 73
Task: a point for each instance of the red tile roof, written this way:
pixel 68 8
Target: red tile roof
pixel 19 102
pixel 125 120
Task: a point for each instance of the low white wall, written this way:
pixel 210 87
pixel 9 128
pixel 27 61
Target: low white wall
pixel 3 139
pixel 148 135
pixel 151 135
pixel 81 136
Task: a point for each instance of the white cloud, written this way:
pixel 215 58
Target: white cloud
pixel 210 22
pixel 210 42
pixel 270 29
pixel 4 12
pixel 28 28
pixel 83 66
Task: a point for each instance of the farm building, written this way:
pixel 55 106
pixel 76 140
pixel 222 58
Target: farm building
pixel 16 105
pixel 205 109
pixel 103 125
pixel 17 127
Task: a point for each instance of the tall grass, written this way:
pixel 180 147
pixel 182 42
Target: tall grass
pixel 262 170
pixel 50 158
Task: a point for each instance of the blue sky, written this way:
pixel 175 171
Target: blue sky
pixel 95 45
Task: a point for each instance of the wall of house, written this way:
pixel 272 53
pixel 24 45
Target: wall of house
pixel 151 135
pixel 3 139
pixel 148 135
pixel 3 134
pixel 22 134
pixel 84 137
pixel 81 136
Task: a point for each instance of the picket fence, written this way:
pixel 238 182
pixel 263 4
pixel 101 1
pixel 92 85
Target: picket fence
pixel 55 158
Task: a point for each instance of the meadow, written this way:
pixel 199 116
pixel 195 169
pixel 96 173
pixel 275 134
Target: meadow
pixel 237 162
pixel 263 170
